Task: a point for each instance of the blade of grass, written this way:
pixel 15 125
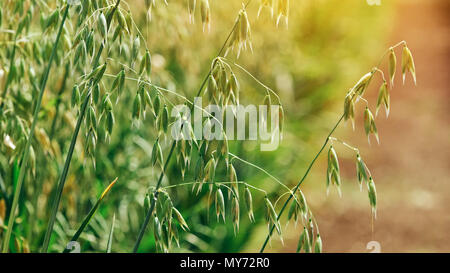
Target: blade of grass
pixel 23 167
pixel 91 213
pixel 62 179
pixel 158 184
pixel 111 233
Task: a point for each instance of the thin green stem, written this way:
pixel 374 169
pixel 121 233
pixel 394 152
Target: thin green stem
pixel 301 181
pixel 25 157
pixel 158 185
pixel 65 171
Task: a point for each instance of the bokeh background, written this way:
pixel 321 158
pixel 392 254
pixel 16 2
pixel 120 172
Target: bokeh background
pixel 311 64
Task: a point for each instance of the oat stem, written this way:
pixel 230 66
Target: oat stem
pixel 25 158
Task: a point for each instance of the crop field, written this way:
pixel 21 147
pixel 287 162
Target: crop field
pixel 223 126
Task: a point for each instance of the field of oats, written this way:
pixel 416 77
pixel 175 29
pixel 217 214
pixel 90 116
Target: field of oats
pixel 88 158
